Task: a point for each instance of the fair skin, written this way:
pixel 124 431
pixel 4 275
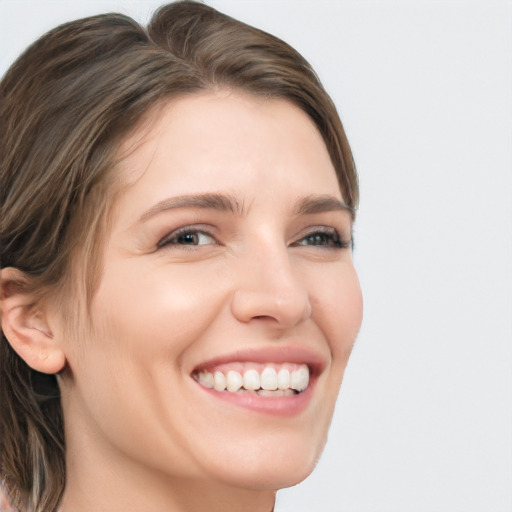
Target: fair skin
pixel 229 250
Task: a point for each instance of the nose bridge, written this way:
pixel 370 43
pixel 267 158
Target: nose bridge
pixel 268 286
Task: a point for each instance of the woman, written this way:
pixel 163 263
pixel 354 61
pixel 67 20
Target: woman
pixel 178 295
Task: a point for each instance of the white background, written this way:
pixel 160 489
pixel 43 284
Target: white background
pixel 424 421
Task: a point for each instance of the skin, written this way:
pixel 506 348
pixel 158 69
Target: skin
pixel 141 434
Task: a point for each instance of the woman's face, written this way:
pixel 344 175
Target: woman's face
pixel 228 263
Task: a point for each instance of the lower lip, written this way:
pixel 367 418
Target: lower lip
pixel 283 406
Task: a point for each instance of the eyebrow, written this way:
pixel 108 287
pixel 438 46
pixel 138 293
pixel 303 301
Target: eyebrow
pixel 220 202
pixel 320 204
pixel 309 205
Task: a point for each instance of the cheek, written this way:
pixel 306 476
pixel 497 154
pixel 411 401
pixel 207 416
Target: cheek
pixel 338 305
pixel 165 308
pixel 143 323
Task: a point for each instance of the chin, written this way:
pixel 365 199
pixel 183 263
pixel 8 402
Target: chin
pixel 269 478
pixel 269 465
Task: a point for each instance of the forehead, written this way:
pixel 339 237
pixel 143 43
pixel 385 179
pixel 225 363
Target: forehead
pixel 213 141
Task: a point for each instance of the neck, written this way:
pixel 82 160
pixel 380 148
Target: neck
pixel 195 497
pixel 95 484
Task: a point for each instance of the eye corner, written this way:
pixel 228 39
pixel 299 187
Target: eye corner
pixel 324 237
pixel 188 238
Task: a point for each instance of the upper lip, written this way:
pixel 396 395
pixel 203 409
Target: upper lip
pixel 284 354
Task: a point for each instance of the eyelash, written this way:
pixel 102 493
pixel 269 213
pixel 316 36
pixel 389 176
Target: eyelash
pixel 171 239
pixel 329 238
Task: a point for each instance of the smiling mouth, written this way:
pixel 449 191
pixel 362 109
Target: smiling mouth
pixel 266 380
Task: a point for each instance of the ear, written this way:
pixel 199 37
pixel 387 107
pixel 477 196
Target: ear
pixel 25 325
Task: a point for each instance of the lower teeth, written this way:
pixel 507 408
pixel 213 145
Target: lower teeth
pixel 268 393
pixel 277 392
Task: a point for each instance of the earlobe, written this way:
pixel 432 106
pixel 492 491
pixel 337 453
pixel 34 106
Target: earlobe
pixel 24 324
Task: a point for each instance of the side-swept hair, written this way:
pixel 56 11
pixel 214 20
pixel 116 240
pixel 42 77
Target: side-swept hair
pixel 66 105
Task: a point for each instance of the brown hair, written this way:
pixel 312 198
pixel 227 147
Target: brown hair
pixel 66 105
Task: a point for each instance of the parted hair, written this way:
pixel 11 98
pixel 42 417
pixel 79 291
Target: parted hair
pixel 66 105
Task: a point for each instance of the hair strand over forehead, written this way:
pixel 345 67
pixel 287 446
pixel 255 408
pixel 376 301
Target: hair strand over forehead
pixel 66 105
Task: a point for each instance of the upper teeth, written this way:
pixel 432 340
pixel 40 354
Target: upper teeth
pixel 270 378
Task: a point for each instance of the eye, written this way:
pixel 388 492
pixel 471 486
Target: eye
pixel 324 237
pixel 187 237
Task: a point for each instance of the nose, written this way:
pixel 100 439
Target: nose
pixel 269 288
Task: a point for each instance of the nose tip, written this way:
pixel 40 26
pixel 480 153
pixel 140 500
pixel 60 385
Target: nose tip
pixel 277 297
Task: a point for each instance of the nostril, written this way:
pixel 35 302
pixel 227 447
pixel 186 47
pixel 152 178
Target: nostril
pixel 271 307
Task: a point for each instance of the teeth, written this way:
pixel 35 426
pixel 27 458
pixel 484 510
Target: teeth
pixel 234 381
pixel 266 392
pixel 277 392
pixel 219 381
pixel 299 379
pixel 206 379
pixel 283 378
pixel 269 379
pixel 284 381
pixel 252 380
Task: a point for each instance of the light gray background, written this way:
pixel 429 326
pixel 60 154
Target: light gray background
pixel 424 421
